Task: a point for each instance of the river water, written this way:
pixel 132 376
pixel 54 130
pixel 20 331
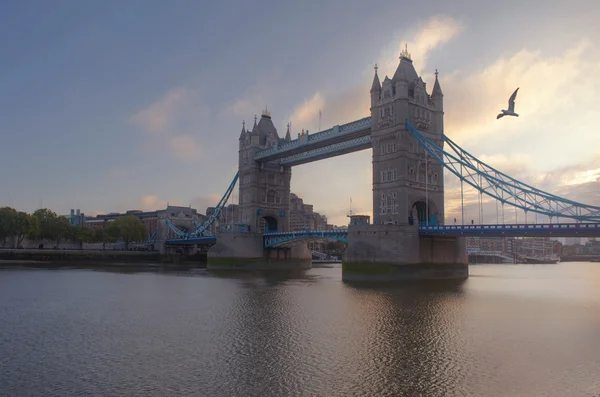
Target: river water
pixel 510 330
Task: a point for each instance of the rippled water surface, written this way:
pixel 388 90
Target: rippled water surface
pixel 507 331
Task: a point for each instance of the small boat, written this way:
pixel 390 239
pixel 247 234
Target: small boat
pixel 547 260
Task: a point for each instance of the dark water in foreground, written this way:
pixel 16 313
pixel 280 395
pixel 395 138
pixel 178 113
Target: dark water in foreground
pixel 507 331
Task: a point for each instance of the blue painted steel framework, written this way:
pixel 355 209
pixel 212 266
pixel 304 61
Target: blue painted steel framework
pixel 336 134
pixel 517 230
pixel 201 229
pixel 335 149
pixel 272 240
pixel 192 240
pixel 502 187
pixel 487 180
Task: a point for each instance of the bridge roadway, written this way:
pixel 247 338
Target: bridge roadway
pixel 272 240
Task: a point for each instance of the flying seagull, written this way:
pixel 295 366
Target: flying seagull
pixel 511 106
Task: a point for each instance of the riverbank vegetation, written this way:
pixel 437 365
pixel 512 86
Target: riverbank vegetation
pixel 44 224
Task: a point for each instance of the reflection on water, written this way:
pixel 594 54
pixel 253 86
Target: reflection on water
pixel 506 331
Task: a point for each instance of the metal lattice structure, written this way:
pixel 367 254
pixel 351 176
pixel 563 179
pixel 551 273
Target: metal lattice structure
pixel 515 230
pixel 338 133
pixel 481 176
pixel 502 187
pixel 202 229
pixel 272 240
pixel 336 149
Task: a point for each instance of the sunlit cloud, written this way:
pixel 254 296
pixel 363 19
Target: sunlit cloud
pixel 558 91
pixel 349 105
pixel 160 114
pixel 184 147
pixel 420 40
pixel 172 122
pixel 307 113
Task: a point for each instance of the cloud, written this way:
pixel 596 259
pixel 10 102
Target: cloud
pixel 425 37
pixel 308 112
pixel 556 101
pixel 352 174
pixel 557 94
pixel 354 102
pixel 151 202
pixel 173 122
pixel 184 147
pixel 160 114
pixel 255 97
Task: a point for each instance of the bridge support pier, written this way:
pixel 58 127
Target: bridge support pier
pixel 245 251
pixel 397 252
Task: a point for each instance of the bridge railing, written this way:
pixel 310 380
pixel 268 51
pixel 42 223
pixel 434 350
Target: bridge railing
pixel 283 238
pixel 538 226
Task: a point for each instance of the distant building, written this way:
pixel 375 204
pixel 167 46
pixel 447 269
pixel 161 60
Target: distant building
pixel 151 219
pixel 75 218
pixel 303 217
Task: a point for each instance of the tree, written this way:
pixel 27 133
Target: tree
pixel 46 223
pixel 83 234
pixel 23 226
pixel 61 229
pixel 130 229
pixel 8 218
pixel 108 234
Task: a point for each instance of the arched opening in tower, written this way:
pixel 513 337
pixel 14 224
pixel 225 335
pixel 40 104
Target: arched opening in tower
pixel 425 215
pixel 268 224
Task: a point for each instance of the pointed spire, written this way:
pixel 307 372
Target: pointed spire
pixel 266 113
pixel 243 130
pixel 288 136
pixel 376 86
pixel 405 54
pixel 437 90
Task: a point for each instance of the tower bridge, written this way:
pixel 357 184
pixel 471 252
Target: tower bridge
pixel 407 238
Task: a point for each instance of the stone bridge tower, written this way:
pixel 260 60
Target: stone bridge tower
pixel 264 187
pixel 408 184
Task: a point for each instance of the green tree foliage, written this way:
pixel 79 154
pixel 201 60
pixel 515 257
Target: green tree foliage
pixel 23 226
pixel 45 224
pixel 8 218
pixel 130 229
pixel 82 234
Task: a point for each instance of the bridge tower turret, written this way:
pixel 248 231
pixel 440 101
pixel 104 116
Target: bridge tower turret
pixel 264 188
pixel 407 183
pixel 437 98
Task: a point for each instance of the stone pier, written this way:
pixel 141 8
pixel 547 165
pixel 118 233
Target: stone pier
pixel 245 251
pixel 397 252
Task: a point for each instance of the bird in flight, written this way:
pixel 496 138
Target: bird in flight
pixel 511 106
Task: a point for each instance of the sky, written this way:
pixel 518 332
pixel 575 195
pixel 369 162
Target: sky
pixel 110 105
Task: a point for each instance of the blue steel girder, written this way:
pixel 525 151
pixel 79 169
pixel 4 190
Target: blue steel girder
pixel 336 149
pixel 502 187
pixel 192 240
pixel 515 230
pixel 202 229
pixel 336 134
pixel 272 240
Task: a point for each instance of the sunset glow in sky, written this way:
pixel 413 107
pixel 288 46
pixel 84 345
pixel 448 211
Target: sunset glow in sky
pixel 112 105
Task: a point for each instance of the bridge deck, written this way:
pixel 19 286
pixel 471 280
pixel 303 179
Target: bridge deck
pixel 516 230
pixel 513 230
